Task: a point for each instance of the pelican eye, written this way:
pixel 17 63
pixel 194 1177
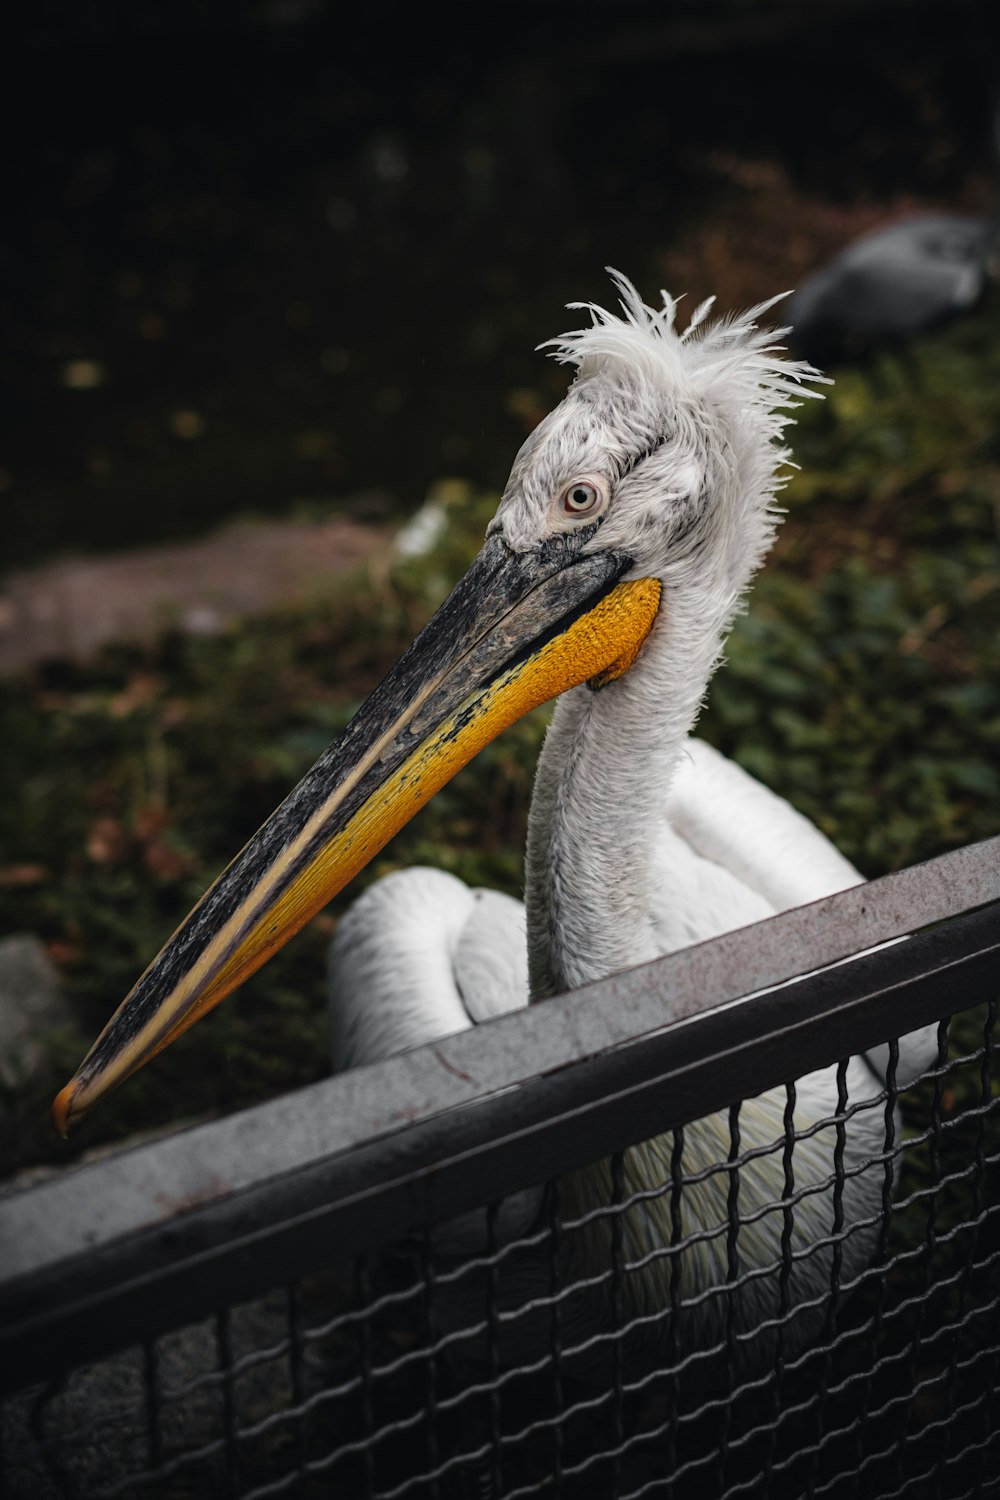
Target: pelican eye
pixel 581 498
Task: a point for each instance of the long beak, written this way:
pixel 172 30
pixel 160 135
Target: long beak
pixel 517 630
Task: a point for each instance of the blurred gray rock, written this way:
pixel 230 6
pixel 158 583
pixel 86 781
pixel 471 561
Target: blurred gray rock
pixel 31 1002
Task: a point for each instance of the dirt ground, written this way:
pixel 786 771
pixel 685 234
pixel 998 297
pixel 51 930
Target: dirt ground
pixel 68 609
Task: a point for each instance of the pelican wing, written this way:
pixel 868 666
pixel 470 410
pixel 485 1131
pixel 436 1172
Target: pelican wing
pixel 421 956
pixel 726 816
pixel 490 962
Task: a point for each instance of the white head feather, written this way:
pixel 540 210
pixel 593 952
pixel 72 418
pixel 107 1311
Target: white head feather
pixel 682 434
pixel 732 355
pixel 678 425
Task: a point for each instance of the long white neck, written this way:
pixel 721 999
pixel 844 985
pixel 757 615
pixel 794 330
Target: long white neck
pixel 602 782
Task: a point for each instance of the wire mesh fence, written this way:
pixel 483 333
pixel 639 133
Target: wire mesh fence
pixel 793 1294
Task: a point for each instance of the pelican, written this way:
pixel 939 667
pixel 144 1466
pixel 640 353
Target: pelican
pixel 634 518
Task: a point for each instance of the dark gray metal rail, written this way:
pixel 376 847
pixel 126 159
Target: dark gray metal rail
pixel 127 1248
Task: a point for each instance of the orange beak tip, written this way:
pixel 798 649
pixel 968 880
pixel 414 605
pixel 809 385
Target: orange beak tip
pixel 62 1109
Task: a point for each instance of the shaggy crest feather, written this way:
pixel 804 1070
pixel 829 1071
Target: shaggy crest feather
pixel 731 359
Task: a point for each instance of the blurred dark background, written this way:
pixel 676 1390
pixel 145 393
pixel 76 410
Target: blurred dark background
pixel 264 258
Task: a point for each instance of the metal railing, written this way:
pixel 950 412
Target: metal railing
pixel 508 1264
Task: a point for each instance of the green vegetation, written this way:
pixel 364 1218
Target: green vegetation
pixel 863 685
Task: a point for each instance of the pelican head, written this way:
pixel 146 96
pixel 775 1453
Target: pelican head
pixel 664 447
pixel 642 505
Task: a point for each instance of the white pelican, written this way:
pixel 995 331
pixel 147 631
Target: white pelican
pixel 634 518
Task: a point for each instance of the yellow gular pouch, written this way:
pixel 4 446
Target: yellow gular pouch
pixel 596 648
pixel 644 597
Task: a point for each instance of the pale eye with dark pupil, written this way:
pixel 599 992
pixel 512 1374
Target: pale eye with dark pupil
pixel 580 498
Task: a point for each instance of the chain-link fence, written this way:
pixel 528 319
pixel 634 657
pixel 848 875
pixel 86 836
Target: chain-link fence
pixel 577 1252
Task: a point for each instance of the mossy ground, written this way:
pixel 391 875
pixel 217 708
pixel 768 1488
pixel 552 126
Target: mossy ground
pixel 863 684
